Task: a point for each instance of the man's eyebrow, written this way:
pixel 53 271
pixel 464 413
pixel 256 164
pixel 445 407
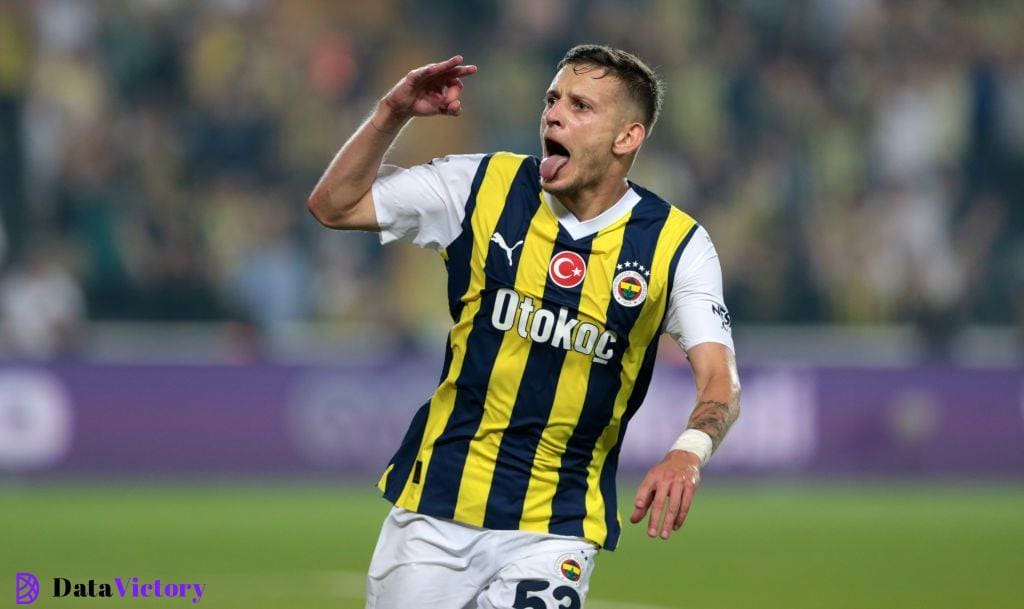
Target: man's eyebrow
pixel 582 98
pixel 573 96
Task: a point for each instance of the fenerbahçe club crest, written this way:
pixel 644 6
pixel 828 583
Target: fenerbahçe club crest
pixel 569 568
pixel 629 287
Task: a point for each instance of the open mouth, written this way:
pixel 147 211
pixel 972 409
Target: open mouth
pixel 555 157
pixel 553 147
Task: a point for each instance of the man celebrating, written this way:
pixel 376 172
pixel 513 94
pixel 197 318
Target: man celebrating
pixel 561 276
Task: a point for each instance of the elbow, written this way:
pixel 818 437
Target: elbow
pixel 343 214
pixel 734 397
pixel 318 207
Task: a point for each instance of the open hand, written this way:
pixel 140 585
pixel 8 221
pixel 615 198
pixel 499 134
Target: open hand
pixel 435 88
pixel 672 482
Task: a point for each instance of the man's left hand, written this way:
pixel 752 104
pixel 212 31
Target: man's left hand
pixel 667 490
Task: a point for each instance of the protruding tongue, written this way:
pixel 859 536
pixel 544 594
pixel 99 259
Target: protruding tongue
pixel 551 164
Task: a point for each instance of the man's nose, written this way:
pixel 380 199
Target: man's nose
pixel 553 115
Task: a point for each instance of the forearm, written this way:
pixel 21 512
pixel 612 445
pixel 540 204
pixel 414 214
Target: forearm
pixel 718 407
pixel 354 168
pixel 676 478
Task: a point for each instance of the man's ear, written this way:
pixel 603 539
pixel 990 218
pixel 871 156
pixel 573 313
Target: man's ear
pixel 629 139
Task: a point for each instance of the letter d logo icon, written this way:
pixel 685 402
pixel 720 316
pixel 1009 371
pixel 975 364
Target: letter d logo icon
pixel 26 588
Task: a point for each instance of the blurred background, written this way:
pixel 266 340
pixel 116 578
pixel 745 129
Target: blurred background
pixel 196 372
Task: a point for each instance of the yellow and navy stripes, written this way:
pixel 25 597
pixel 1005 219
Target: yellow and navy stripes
pixel 523 431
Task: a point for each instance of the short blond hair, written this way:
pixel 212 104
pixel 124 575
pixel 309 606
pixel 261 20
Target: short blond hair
pixel 642 84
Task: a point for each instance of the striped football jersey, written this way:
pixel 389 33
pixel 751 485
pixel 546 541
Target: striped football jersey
pixel 550 355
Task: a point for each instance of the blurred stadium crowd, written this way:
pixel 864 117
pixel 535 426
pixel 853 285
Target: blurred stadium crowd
pixel 854 160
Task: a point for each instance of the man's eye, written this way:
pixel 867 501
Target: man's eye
pixel 581 106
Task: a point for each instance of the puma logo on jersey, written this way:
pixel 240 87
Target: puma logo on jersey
pixel 497 238
pixel 541 325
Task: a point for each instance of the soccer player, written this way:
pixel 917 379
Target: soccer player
pixel 561 276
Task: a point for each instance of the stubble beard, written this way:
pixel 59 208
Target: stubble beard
pixel 562 191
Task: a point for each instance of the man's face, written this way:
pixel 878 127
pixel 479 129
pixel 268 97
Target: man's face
pixel 584 111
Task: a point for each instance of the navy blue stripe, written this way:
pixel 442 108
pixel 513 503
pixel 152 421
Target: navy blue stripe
pixel 459 252
pixel 568 507
pixel 609 495
pixel 447 360
pixel 408 450
pixel 405 457
pixel 643 381
pixel 640 386
pixel 534 401
pixel 607 484
pixel 444 472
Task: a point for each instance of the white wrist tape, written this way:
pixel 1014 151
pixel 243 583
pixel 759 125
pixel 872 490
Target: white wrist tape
pixel 696 442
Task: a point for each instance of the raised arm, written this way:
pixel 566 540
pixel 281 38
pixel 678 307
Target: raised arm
pixel 668 488
pixel 342 198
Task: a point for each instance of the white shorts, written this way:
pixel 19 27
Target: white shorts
pixel 421 561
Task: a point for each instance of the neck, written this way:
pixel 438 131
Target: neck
pixel 589 203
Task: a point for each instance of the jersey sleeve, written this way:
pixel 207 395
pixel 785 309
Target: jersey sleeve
pixel 427 201
pixel 696 308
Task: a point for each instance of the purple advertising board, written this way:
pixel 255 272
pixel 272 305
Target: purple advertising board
pixel 80 418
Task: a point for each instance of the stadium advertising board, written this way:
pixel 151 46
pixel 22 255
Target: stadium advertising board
pixel 278 419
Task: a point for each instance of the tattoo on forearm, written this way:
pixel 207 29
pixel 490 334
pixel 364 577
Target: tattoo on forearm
pixel 713 418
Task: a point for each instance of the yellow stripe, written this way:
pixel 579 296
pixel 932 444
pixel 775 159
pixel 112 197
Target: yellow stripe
pixel 383 482
pixel 489 202
pixel 644 331
pixel 572 382
pixel 507 374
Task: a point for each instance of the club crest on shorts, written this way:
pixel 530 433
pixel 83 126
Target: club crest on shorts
pixel 567 269
pixel 570 568
pixel 630 286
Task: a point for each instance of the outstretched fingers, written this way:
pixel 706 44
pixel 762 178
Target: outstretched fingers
pixel 444 69
pixel 462 71
pixel 675 500
pixel 657 510
pixel 418 74
pixel 684 509
pixel 445 65
pixel 644 495
pixel 665 496
pixel 448 79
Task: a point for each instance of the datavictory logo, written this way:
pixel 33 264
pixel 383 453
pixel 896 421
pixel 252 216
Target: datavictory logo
pixel 27 589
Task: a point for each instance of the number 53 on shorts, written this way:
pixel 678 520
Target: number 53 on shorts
pixel 530 594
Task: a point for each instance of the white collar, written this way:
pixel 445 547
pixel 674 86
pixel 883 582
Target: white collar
pixel 577 229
